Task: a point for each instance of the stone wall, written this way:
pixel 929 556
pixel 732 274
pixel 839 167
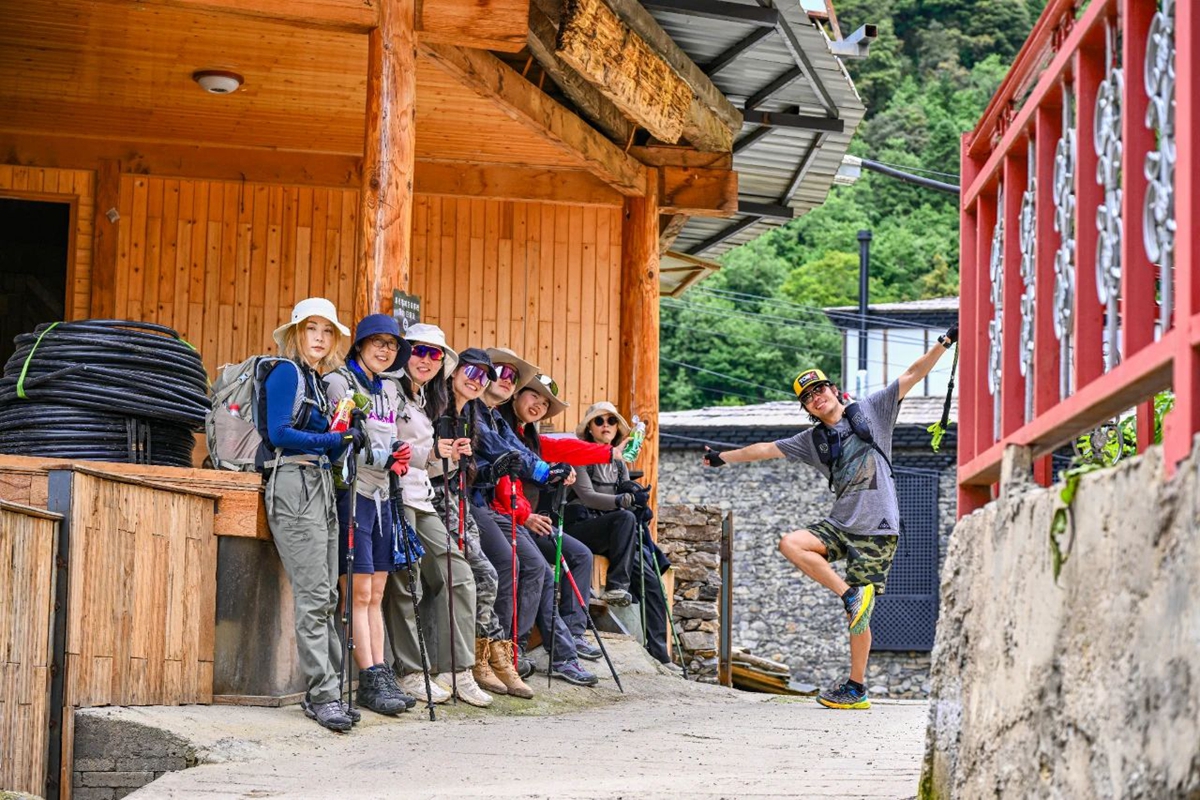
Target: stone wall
pixel 1088 686
pixel 777 612
pixel 114 758
pixel 691 537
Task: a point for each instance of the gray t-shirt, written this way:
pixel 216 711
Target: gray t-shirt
pixel 866 502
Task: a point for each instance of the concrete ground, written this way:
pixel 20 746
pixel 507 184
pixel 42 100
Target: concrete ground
pixel 663 738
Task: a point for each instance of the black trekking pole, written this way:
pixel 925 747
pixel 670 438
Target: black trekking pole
pixel 464 432
pixel 938 429
pixel 446 431
pixel 347 684
pixel 642 578
pixel 662 585
pixel 560 496
pixel 590 621
pixel 399 520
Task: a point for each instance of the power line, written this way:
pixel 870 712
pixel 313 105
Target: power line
pixel 918 169
pixel 851 315
pixel 724 376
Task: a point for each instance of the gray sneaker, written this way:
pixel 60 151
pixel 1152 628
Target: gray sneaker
pixel 617 596
pixel 329 715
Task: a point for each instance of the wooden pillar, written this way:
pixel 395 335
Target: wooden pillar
pixel 103 303
pixel 389 158
pixel 639 323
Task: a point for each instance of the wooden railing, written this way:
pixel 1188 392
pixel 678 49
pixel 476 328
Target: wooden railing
pixel 1080 299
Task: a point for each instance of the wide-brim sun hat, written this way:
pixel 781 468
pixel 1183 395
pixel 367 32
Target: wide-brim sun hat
pixel 310 307
pixel 599 410
pixel 382 325
pixel 424 333
pixel 525 370
pixel 536 384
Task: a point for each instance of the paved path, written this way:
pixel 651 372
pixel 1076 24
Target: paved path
pixel 663 739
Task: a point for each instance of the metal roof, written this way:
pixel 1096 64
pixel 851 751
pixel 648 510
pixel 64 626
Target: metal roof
pixel 786 68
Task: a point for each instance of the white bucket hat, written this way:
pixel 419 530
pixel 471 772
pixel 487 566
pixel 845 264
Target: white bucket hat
pixel 599 410
pixel 541 384
pixel 525 370
pixel 424 333
pixel 310 307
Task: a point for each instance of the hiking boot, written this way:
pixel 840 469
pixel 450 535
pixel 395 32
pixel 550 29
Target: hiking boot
pixel 572 672
pixel 373 693
pixel 500 656
pixel 482 671
pixel 391 685
pixel 859 607
pixel 844 696
pixel 525 666
pixel 585 649
pixel 468 691
pixel 414 683
pixel 329 715
pixel 617 597
pixel 353 713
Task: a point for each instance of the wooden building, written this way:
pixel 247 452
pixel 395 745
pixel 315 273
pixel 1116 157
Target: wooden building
pixel 519 165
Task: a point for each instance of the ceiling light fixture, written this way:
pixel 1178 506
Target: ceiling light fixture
pixel 217 81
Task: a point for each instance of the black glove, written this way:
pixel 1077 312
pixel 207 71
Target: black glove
pixel 625 500
pixel 358 417
pixel 645 514
pixel 712 458
pixel 950 337
pixel 559 472
pixel 357 436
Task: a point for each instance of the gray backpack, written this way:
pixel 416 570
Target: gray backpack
pixel 235 425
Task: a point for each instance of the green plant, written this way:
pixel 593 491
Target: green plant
pixel 1099 449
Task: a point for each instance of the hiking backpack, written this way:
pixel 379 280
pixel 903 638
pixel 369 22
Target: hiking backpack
pixel 235 425
pixel 829 444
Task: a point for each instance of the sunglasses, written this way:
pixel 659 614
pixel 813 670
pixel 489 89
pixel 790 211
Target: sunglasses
pixel 506 372
pixel 384 343
pixel 427 351
pixel 609 420
pixel 808 395
pixel 548 382
pixel 477 374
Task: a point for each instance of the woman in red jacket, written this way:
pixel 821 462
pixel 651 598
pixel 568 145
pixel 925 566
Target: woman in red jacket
pixel 536 401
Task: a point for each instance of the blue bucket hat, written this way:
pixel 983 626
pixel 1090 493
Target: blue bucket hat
pixel 381 325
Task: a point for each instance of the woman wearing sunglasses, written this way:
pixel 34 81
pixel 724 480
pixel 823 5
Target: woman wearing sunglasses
pixel 538 401
pixel 606 513
pixel 377 349
pixel 426 397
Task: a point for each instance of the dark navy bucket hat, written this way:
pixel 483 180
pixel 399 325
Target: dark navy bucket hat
pixel 381 325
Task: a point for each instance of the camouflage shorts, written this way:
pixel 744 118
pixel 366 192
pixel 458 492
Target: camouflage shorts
pixel 868 558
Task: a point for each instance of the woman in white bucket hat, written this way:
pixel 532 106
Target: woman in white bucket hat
pixel 301 509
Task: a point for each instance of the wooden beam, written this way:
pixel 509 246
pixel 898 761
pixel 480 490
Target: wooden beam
pixel 182 161
pixel 663 156
pixel 500 182
pixel 351 16
pixel 669 228
pixel 389 159
pixel 525 103
pixel 638 392
pixel 698 192
pixel 499 25
pixel 543 33
pixel 104 240
pixel 713 121
pixel 624 68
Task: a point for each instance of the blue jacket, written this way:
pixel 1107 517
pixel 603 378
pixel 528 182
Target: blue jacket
pixel 314 438
pixel 493 438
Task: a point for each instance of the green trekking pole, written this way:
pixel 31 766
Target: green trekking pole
pixel 938 429
pixel 670 617
pixel 560 495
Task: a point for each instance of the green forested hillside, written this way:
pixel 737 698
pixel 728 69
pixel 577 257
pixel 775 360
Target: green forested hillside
pixel 745 332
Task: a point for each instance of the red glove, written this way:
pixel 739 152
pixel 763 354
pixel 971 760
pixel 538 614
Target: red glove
pixel 398 461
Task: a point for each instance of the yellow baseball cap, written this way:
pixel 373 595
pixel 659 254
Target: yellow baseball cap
pixel 808 379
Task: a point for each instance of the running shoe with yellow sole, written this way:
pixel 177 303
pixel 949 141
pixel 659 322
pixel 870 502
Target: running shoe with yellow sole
pixel 859 607
pixel 843 697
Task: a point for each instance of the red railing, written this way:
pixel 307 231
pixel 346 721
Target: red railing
pixel 1079 300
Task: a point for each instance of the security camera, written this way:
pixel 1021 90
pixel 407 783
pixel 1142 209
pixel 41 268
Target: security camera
pixel 217 81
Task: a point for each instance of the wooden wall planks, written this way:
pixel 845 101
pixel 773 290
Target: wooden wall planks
pixel 75 186
pixel 28 542
pixel 539 278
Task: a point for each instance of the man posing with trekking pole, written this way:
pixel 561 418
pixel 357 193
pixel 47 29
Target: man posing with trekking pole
pixel 851 446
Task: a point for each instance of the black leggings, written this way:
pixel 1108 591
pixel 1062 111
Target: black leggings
pixel 614 536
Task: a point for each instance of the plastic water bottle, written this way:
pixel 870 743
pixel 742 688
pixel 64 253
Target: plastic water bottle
pixel 235 410
pixel 634 446
pixel 341 415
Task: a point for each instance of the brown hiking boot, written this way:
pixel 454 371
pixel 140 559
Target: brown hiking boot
pixel 483 671
pixel 501 652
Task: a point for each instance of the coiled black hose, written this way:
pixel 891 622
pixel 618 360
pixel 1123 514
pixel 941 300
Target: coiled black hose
pixel 103 390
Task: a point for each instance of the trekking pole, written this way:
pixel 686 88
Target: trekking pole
pixel 938 429
pixel 642 578
pixel 662 585
pixel 560 495
pixel 399 520
pixel 590 621
pixel 512 513
pixel 446 431
pixel 464 432
pixel 348 600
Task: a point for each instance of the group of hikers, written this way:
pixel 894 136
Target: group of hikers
pixel 455 509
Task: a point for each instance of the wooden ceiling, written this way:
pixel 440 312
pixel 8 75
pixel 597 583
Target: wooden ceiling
pixel 101 69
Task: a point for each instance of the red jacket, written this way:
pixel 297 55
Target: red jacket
pixel 575 452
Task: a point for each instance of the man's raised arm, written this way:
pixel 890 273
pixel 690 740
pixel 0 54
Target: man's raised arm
pixel 923 365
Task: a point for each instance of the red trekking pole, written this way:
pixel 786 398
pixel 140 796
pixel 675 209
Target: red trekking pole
pixel 512 511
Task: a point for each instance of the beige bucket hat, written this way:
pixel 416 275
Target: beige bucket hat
pixel 525 370
pixel 599 410
pixel 424 333
pixel 310 307
pixel 543 385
